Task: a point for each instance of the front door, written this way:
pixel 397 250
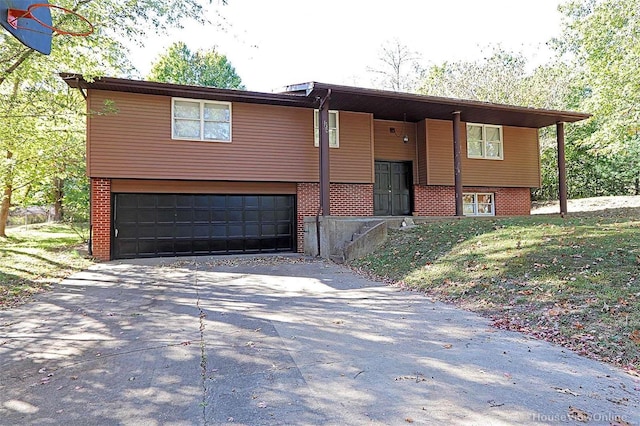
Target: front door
pixel 392 188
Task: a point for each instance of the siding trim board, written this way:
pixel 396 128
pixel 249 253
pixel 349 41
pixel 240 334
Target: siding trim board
pixel 201 187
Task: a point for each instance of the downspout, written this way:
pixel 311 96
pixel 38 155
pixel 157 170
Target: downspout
pixel 323 175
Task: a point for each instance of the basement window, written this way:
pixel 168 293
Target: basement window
pixel 484 141
pixel 334 126
pixel 201 120
pixel 478 204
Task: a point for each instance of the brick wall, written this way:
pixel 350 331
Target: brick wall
pixel 101 218
pixel 440 200
pixel 346 200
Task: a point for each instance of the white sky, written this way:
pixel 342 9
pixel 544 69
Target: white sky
pixel 273 43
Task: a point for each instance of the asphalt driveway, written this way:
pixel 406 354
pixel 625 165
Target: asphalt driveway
pixel 281 341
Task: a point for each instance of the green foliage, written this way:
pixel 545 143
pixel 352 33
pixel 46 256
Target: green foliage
pixel 501 77
pixel 201 68
pixel 602 40
pixel 43 121
pixel 573 281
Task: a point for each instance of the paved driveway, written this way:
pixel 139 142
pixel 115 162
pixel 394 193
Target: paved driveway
pixel 280 341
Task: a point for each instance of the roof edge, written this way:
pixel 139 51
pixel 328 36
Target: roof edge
pixel 572 116
pixel 75 80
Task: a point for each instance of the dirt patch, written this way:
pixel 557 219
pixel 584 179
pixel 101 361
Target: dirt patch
pixel 588 204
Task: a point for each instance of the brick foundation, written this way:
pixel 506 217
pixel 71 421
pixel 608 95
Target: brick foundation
pixel 440 200
pixel 346 200
pixel 101 218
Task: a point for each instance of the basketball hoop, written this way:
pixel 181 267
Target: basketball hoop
pixel 69 22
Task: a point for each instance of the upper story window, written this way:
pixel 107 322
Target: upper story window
pixel 201 120
pixel 484 141
pixel 334 129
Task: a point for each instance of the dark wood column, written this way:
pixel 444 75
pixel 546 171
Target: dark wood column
pixel 562 173
pixel 457 163
pixel 323 130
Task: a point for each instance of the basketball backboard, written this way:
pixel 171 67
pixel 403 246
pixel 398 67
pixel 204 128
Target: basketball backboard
pixel 29 31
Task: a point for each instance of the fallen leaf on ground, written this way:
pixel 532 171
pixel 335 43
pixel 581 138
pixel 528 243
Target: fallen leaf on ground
pixel 566 390
pixel 619 422
pixel 578 414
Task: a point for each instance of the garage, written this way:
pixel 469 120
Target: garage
pixel 154 225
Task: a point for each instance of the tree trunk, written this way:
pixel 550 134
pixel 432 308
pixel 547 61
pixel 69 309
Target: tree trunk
pixel 58 192
pixel 637 186
pixel 6 200
pixel 4 209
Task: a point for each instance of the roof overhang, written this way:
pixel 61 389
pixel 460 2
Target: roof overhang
pixel 382 104
pixel 184 91
pixel 394 105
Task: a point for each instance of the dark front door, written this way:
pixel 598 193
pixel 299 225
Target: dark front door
pixel 392 188
pixel 150 225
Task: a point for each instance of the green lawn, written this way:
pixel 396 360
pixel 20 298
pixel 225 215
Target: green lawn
pixel 34 257
pixel 573 281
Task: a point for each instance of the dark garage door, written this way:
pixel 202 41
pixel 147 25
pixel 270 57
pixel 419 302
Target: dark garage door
pixel 150 225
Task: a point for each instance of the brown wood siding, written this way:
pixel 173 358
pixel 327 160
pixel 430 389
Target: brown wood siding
pixel 520 167
pixel 200 187
pixel 421 152
pixel 439 152
pixel 391 147
pixel 269 143
pixel 351 163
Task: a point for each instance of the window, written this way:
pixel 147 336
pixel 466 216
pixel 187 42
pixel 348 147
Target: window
pixel 484 141
pixel 477 204
pixel 201 120
pixel 334 139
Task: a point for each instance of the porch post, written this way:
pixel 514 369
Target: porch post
pixel 457 162
pixel 562 173
pixel 323 130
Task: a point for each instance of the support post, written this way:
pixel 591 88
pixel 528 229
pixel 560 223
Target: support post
pixel 562 172
pixel 323 130
pixel 457 163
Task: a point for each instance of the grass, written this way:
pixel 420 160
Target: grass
pixel 34 257
pixel 572 281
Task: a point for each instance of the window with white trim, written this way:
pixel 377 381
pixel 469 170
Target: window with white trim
pixel 478 204
pixel 334 129
pixel 484 141
pixel 200 120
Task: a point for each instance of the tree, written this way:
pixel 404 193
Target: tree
pixel 501 77
pixel 398 67
pixel 200 68
pixel 603 39
pixel 42 132
pixel 504 77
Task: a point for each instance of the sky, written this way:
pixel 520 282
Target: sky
pixel 274 43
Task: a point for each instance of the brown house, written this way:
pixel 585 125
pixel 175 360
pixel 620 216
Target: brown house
pixel 184 170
